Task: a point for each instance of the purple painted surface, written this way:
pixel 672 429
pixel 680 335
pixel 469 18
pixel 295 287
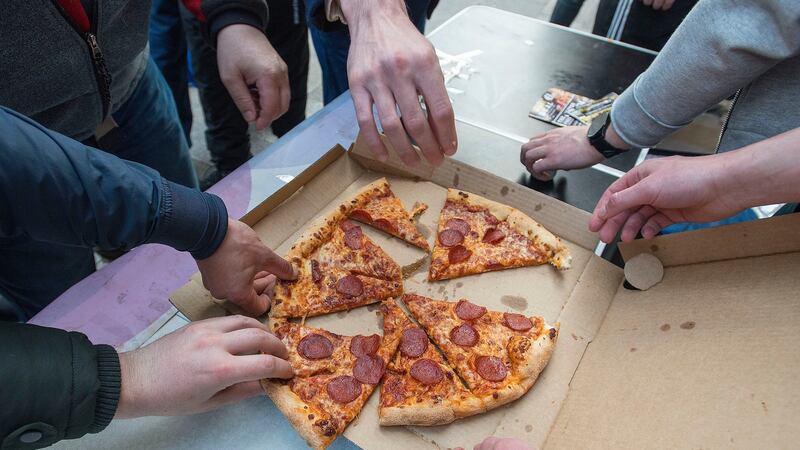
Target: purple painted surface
pixel 119 301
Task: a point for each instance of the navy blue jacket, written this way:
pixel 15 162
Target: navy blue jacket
pixel 55 384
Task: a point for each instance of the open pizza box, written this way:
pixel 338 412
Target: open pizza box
pixel 706 358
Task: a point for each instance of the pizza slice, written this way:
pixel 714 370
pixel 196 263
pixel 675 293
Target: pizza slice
pixel 334 377
pixel 376 205
pixel 338 268
pixel 477 235
pixel 419 388
pixel 498 355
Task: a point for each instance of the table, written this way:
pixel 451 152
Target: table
pixel 126 303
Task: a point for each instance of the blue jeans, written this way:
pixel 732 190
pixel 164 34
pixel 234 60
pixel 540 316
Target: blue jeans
pixel 332 48
pixel 168 49
pixel 33 273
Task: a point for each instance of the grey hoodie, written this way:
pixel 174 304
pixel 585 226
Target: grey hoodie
pixel 723 47
pixel 46 68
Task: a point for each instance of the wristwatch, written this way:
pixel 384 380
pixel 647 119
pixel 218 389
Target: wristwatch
pixel 597 136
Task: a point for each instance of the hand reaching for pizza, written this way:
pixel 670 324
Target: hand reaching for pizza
pixel 200 367
pixel 498 443
pixel 243 270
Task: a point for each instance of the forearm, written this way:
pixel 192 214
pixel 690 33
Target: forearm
pixel 56 378
pixel 721 46
pixel 55 189
pixel 763 173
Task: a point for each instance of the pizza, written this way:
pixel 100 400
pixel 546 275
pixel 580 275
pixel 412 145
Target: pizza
pixel 338 268
pixel 419 387
pixel 334 377
pixel 478 235
pixel 377 206
pixel 499 355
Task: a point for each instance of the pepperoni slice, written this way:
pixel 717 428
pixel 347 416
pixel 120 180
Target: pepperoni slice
pixel 344 389
pixel 369 369
pixel 493 236
pixel 517 322
pixel 361 216
pixel 469 311
pixel 350 286
pixel 491 368
pixel 346 224
pixel 352 237
pixel 450 237
pixel 426 372
pixel 365 345
pixel 460 225
pixel 458 254
pixel 315 346
pixel 464 335
pixel 316 275
pixel 385 225
pixel 413 342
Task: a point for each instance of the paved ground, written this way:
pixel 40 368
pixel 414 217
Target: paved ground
pixel 540 9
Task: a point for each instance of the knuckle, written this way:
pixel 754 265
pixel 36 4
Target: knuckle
pixel 397 62
pixel 269 363
pixel 415 124
pixel 443 112
pixel 391 123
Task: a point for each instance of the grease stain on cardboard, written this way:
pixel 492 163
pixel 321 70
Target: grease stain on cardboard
pixel 514 302
pixel 688 325
pixel 665 327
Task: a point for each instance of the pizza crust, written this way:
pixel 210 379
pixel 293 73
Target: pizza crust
pixel 294 409
pixel 423 415
pixel 559 254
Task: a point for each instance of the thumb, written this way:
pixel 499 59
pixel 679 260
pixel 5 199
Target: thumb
pixel 278 266
pixel 241 96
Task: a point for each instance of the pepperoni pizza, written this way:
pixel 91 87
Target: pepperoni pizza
pixel 498 355
pixel 334 377
pixel 338 268
pixel 419 388
pixel 478 235
pixel 376 205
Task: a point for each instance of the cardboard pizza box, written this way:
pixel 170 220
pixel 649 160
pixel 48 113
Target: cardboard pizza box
pixel 703 359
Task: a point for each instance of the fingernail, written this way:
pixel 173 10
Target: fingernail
pixel 602 212
pixel 249 116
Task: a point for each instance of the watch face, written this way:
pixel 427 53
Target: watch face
pixel 597 124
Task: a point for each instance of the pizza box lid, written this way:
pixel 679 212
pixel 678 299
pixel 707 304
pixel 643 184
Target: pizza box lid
pixel 611 338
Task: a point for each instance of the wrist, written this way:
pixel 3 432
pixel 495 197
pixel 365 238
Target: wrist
pixel 363 13
pixel 129 385
pixel 613 138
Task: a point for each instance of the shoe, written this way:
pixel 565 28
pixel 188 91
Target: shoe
pixel 212 177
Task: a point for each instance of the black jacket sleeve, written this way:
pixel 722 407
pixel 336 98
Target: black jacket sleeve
pixel 55 385
pixel 214 15
pixel 55 189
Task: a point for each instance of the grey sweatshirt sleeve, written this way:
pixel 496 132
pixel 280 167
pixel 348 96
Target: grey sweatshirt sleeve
pixel 721 46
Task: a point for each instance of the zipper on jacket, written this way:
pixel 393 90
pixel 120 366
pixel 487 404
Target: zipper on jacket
pixel 100 69
pixel 727 119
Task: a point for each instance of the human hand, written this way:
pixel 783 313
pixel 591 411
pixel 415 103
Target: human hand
pixel 559 148
pixel 498 443
pixel 245 58
pixel 661 192
pixel 659 4
pixel 243 269
pixel 390 64
pixel 200 367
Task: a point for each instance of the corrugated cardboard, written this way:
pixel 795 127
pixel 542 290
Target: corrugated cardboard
pixel 579 298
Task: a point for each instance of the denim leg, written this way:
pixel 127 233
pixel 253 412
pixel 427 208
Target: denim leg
pixel 168 49
pixel 289 35
pixel 150 131
pixel 565 12
pixel 227 135
pixel 332 48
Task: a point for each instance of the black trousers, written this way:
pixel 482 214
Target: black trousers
pixel 227 134
pixel 645 27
